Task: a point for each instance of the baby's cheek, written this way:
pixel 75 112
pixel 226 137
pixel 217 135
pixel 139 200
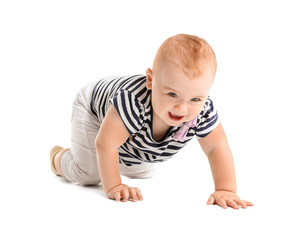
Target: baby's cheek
pixel 196 112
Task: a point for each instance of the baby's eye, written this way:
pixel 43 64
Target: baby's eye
pixel 171 94
pixel 196 99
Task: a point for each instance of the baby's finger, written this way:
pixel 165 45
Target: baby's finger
pixel 222 204
pixel 241 203
pixel 138 194
pixel 248 203
pixel 133 194
pixel 117 196
pixel 125 195
pixel 232 204
pixel 210 200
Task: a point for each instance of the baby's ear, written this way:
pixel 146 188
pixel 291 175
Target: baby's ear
pixel 149 79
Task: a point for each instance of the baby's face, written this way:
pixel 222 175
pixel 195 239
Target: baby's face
pixel 175 97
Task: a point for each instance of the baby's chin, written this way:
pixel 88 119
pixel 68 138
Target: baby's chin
pixel 171 124
pixel 178 124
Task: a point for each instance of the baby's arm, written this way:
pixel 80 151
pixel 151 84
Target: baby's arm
pixel 113 134
pixel 215 146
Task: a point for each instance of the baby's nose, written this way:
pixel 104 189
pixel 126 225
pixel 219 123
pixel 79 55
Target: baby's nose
pixel 181 109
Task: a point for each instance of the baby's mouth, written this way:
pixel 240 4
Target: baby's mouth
pixel 175 117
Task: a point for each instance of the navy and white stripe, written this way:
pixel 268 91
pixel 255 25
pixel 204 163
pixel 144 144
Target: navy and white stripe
pixel 132 100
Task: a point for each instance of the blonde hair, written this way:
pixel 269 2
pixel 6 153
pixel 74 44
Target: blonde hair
pixel 191 53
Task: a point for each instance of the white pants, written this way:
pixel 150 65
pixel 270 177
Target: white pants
pixel 79 164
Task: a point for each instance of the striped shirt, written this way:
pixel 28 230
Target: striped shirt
pixel 132 100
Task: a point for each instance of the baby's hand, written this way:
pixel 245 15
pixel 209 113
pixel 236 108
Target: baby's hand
pixel 124 193
pixel 226 198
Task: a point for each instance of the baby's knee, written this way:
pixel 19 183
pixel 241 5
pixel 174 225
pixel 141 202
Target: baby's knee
pixel 86 178
pixel 140 175
pixel 88 181
pixel 75 173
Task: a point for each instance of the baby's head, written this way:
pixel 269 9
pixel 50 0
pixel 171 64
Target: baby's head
pixel 192 54
pixel 181 77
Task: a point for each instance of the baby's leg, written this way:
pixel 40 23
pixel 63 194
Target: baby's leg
pixel 144 170
pixel 79 163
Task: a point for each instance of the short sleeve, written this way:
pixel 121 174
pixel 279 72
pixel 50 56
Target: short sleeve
pixel 130 110
pixel 208 120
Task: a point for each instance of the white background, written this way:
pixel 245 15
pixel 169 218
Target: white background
pixel 49 49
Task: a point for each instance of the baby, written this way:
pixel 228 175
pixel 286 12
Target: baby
pixel 127 125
